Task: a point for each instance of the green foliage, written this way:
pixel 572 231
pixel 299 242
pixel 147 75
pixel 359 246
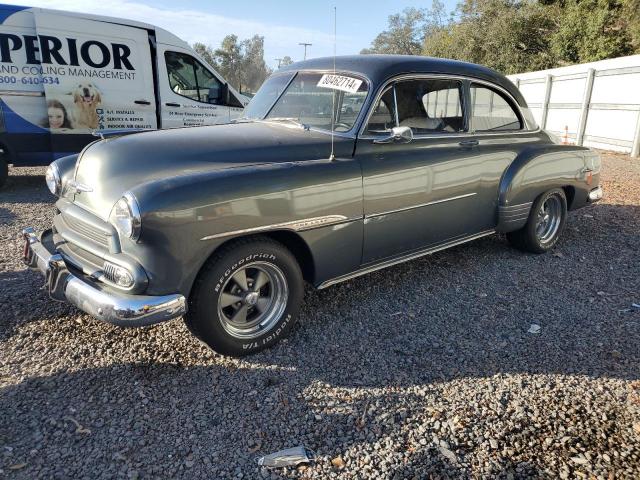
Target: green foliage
pixel 517 35
pixel 590 30
pixel 241 63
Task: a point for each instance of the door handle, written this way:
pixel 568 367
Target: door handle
pixel 469 143
pixel 172 104
pixel 142 102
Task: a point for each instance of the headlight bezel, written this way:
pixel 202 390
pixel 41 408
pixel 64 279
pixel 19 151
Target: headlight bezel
pixel 129 225
pixel 53 179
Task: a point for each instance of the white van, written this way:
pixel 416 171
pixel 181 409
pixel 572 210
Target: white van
pixel 65 76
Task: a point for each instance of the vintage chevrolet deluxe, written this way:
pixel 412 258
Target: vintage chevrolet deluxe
pixel 335 170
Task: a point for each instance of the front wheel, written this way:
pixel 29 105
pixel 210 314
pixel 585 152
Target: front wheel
pixel 545 224
pixel 246 298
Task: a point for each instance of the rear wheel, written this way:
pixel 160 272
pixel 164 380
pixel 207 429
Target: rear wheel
pixel 545 224
pixel 246 298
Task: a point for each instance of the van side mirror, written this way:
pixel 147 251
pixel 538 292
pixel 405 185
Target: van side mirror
pixel 398 135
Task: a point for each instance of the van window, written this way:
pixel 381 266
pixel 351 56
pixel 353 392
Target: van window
pixel 189 78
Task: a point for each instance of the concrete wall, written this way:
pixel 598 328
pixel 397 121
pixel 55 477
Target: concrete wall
pixel 598 103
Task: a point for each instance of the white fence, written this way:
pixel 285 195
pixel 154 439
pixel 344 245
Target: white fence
pixel 595 104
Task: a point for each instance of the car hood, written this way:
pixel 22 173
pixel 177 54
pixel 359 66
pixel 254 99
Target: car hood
pixel 110 167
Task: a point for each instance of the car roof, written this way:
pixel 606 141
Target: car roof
pixel 379 68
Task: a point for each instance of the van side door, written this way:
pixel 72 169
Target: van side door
pixel 191 94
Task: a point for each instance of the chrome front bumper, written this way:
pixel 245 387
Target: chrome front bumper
pixel 105 304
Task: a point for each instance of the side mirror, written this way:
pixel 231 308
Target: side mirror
pixel 398 135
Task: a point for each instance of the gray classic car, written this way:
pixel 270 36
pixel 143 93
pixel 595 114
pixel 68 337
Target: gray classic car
pixel 223 224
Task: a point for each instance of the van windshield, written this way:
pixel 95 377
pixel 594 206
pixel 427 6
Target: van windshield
pixel 310 99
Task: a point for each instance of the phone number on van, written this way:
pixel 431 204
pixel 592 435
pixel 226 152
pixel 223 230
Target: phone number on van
pixel 31 80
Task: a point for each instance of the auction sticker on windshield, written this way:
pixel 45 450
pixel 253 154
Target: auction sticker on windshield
pixel 339 82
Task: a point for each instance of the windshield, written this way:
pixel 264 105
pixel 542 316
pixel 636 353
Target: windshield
pixel 309 99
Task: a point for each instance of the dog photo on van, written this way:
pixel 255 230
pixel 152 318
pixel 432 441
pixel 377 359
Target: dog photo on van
pixel 86 98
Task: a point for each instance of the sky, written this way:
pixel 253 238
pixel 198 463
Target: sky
pixel 283 23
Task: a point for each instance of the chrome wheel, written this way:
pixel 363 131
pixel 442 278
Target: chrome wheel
pixel 549 219
pixel 252 300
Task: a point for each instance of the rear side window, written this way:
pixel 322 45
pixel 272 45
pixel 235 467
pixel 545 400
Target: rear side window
pixel 491 111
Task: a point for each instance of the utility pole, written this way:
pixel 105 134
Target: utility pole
pixel 279 60
pixel 305 45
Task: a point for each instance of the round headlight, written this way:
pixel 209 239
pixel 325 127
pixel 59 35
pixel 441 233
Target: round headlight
pixel 52 177
pixel 125 216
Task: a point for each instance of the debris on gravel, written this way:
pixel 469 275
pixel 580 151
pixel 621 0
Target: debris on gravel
pixel 425 368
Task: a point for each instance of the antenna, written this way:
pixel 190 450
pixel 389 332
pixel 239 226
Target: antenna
pixel 332 156
pixel 305 45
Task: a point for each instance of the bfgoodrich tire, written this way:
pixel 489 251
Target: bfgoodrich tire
pixel 246 298
pixel 545 224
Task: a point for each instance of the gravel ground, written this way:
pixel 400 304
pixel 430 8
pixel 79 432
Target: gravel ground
pixel 426 369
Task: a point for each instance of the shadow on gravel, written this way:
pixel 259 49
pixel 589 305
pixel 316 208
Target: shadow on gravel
pixel 460 314
pixel 6 216
pixel 25 189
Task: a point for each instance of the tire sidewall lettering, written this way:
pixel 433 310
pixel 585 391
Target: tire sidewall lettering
pixel 231 270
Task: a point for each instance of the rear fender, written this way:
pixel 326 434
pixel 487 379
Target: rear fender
pixel 538 169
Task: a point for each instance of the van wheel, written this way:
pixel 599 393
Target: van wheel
pixel 246 297
pixel 545 224
pixel 4 170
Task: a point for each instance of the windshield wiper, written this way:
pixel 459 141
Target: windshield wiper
pixel 288 119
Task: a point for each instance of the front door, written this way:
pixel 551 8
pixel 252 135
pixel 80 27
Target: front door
pixel 431 190
pixel 190 93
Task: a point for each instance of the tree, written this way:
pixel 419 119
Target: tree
pixel 517 35
pixel 404 35
pixel 206 52
pixel 590 30
pixel 254 68
pixel 286 60
pixel 229 59
pixel 508 35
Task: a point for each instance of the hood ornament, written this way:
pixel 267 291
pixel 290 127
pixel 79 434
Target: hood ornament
pixel 77 187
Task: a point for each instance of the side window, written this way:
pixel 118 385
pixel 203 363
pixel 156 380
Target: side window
pixel 209 87
pixel 383 117
pixel 430 106
pixel 182 75
pixel 492 111
pixel 189 78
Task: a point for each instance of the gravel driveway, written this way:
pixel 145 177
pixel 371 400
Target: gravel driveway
pixel 424 369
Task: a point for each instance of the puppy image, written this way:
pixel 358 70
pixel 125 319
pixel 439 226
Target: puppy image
pixel 86 98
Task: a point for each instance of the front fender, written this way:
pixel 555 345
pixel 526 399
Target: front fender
pixel 186 218
pixel 538 169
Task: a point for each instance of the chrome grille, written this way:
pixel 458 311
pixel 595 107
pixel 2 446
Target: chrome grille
pixel 86 230
pixel 109 272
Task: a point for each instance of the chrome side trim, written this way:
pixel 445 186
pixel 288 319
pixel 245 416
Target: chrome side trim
pixel 413 207
pixel 296 226
pixel 403 258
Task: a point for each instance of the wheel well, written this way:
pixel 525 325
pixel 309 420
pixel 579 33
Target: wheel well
pixel 294 243
pixel 570 193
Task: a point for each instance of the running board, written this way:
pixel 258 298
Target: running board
pixel 403 258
